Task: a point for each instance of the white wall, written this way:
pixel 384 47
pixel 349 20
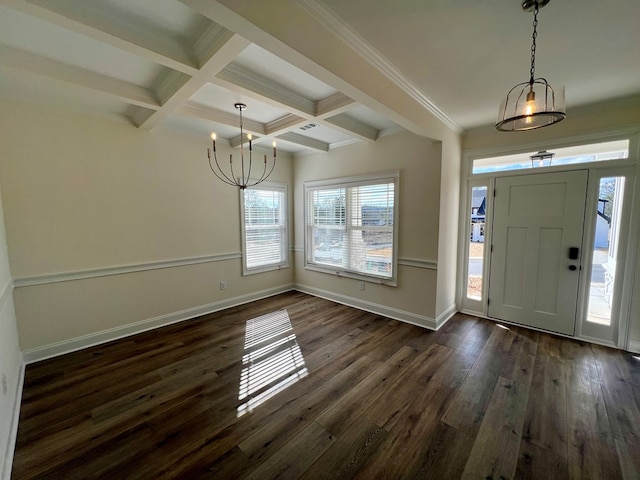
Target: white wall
pixel 448 233
pixel 90 197
pixel 419 162
pixel 10 361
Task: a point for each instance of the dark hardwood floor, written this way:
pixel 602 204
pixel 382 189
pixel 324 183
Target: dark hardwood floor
pixel 327 391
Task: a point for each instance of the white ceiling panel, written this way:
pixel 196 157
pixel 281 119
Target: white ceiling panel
pixel 222 99
pixel 269 66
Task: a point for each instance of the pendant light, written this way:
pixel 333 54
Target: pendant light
pixel 532 104
pixel 240 176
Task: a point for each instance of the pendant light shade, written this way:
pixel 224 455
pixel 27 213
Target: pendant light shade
pixel 532 104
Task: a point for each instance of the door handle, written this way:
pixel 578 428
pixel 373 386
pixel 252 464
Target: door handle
pixel 573 253
pixel 572 267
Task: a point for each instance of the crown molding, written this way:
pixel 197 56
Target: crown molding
pixel 344 32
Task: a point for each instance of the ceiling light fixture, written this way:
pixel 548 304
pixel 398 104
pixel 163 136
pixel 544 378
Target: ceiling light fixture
pixel 244 180
pixel 531 104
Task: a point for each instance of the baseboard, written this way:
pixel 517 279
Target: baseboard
pixel 396 314
pixel 634 346
pixel 13 429
pixel 93 339
pixel 445 316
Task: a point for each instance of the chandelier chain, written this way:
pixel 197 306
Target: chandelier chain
pixel 533 43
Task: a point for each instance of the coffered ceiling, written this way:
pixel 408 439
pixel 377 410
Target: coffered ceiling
pixel 315 74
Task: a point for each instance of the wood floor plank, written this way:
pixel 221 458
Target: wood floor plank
pixel 273 436
pixel 592 450
pixel 545 423
pixel 536 463
pixel 629 456
pixel 410 437
pixel 392 405
pixel 495 450
pixel 292 460
pixel 375 398
pixel 447 454
pixel 348 455
pixel 343 412
pixel 470 401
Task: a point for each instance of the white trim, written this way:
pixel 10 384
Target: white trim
pixel 344 32
pixel 349 183
pixel 634 346
pixel 93 339
pixel 404 261
pixel 13 428
pixel 390 312
pixel 445 316
pixel 119 270
pixel 418 263
pixel 283 192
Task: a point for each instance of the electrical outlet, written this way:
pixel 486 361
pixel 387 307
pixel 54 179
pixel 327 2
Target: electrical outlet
pixel 223 285
pixel 361 285
pixel 4 384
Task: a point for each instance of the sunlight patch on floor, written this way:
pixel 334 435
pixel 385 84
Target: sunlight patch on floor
pixel 272 360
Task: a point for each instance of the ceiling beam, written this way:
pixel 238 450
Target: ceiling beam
pixel 98 83
pixel 218 116
pixel 242 80
pixel 284 124
pixel 177 89
pixel 333 105
pixel 81 20
pixel 353 127
pixel 301 140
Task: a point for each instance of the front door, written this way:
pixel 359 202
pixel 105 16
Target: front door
pixel 537 228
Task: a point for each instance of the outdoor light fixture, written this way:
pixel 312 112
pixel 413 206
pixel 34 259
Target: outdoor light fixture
pixel 241 175
pixel 541 159
pixel 531 104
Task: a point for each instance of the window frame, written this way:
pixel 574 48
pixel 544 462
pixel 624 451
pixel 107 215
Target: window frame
pixel 350 182
pixel 283 261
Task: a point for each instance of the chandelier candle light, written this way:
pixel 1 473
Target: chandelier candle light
pixel 533 104
pixel 244 180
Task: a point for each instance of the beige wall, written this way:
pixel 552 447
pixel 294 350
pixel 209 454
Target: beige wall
pixel 10 360
pixel 419 162
pixel 84 193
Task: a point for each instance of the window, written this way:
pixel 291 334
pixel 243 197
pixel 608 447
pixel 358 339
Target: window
pixel 606 237
pixel 598 152
pixel 351 227
pixel 475 259
pixel 264 228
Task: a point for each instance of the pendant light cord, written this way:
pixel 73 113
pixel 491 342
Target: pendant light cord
pixel 533 43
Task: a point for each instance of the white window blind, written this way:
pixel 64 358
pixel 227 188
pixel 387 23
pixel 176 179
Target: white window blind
pixel 351 227
pixel 264 228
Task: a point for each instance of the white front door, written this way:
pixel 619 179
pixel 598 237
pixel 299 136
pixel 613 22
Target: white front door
pixel 537 219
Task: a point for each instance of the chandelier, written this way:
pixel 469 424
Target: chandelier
pixel 531 104
pixel 240 176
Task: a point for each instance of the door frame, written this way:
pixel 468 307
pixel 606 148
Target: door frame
pixel 629 233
